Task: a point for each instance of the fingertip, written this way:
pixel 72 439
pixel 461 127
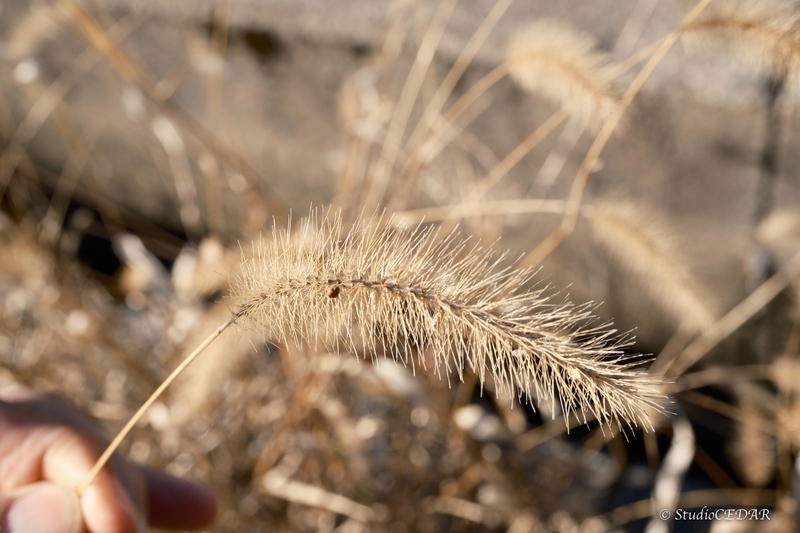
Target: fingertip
pixel 41 508
pixel 178 504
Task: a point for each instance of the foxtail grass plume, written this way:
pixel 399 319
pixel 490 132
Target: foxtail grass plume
pixel 564 66
pixel 764 35
pixel 779 234
pixel 378 290
pixel 375 289
pixel 641 242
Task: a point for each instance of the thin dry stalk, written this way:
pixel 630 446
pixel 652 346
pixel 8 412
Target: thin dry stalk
pixel 677 342
pixel 515 156
pixel 41 24
pixel 99 39
pixel 393 37
pixel 634 27
pixel 465 101
pixel 186 191
pixel 787 420
pixel 479 209
pixel 466 510
pixel 727 410
pixel 279 486
pixel 734 319
pixel 536 436
pixel 546 58
pixel 448 120
pixel 712 468
pixel 397 126
pixel 416 162
pixel 47 102
pixel 445 89
pixel 557 158
pixel 721 374
pixel 66 182
pixel 456 72
pixel 101 462
pixel 198 389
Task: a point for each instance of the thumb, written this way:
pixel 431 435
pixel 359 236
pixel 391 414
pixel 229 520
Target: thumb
pixel 40 508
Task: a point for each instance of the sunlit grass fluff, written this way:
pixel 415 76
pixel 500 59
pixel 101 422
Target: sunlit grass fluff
pixel 377 290
pixel 563 65
pixel 763 35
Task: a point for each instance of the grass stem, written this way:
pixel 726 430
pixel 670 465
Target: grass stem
pixel 101 462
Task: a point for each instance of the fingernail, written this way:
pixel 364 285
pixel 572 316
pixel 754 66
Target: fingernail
pixel 126 504
pixel 44 508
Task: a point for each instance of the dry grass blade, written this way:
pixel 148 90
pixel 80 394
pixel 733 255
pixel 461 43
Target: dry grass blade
pixel 305 494
pixel 479 209
pixel 397 126
pixel 392 292
pixel 734 319
pixel 562 64
pixel 456 72
pixel 644 245
pixel 466 510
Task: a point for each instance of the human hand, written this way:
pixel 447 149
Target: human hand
pixel 47 449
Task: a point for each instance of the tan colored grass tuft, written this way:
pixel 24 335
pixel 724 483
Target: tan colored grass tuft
pixel 764 35
pixel 563 65
pixel 642 243
pixel 396 292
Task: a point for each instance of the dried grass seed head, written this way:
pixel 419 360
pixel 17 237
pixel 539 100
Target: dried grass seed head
pixel 779 234
pixel 397 292
pixel 764 35
pixel 642 242
pixel 563 65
